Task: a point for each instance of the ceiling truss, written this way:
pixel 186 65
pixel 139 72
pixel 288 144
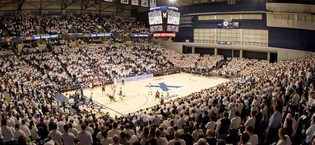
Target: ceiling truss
pixel 82 5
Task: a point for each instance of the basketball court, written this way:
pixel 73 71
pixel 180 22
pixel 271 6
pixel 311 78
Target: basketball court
pixel 136 95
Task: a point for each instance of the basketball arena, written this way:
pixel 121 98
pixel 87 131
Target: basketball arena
pixel 157 72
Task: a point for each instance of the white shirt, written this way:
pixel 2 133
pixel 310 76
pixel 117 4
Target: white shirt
pixel 1 134
pixel 182 142
pixel 74 131
pixel 68 138
pixel 161 140
pixel 310 133
pixel 85 138
pixel 253 139
pixel 254 105
pixel 195 134
pixel 7 133
pixel 130 132
pixel 26 130
pixel 90 129
pixel 55 135
pixel 18 133
pixel 60 125
pixel 112 132
pixel 99 136
pixel 106 141
pixel 287 141
pixel 34 133
pixel 296 99
pixel 235 122
pixel 250 122
pixel 180 122
pixel 210 125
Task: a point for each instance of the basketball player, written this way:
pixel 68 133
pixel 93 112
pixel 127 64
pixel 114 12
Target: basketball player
pixel 103 87
pixel 120 93
pixel 112 96
pixel 114 88
pixel 162 99
pixel 157 95
pixel 150 89
pixel 91 98
pixel 91 85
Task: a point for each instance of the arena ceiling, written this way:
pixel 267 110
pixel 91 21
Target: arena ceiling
pixel 84 5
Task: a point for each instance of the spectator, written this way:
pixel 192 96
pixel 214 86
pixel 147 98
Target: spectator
pixel 283 139
pixel 54 134
pixel 18 132
pixel 85 137
pixel 7 132
pixel 223 126
pixel 253 137
pixel 309 132
pixel 176 139
pixel 106 140
pixel 211 139
pixel 160 140
pixel 67 137
pixel 273 125
pixel 244 139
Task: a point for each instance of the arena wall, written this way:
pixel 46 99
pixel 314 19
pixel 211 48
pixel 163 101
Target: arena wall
pixel 289 26
pixel 282 53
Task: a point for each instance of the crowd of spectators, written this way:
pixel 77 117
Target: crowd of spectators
pixel 15 71
pixel 5 47
pixel 54 24
pixel 234 66
pixel 19 25
pixel 3 33
pixel 62 24
pixel 111 61
pixel 47 63
pixel 27 96
pixel 192 60
pixel 264 103
pixel 83 23
pixel 76 61
pixel 122 24
pixel 24 24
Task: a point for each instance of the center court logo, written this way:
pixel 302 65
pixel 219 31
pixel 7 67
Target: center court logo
pixel 164 87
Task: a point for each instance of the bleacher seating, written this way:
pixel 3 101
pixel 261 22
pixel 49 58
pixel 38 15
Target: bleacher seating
pixel 24 24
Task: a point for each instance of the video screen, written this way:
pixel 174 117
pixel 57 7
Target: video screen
pixel 157 28
pixel 155 17
pixel 171 28
pixel 228 25
pixel 173 17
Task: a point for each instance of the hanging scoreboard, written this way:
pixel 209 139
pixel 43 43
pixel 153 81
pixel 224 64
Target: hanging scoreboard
pixel 164 19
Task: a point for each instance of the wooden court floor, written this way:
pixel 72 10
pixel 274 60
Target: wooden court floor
pixel 136 95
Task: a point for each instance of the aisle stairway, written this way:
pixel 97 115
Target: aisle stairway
pixel 64 66
pixel 39 30
pixel 5 32
pixel 221 63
